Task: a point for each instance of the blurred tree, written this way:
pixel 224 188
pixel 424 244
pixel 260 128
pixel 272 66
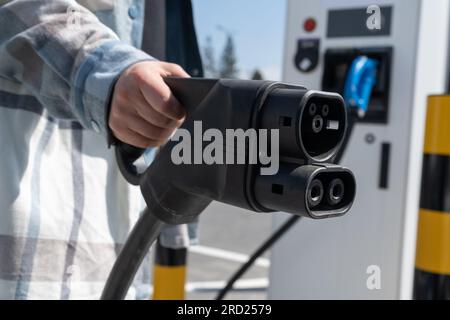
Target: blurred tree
pixel 209 60
pixel 257 75
pixel 228 63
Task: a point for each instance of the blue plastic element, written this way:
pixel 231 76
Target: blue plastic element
pixel 361 79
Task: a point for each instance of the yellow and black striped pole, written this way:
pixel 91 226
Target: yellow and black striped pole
pixel 169 273
pixel 432 275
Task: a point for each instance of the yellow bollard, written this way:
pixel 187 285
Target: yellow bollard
pixel 432 275
pixel 169 273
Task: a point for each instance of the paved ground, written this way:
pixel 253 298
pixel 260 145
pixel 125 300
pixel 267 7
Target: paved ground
pixel 237 232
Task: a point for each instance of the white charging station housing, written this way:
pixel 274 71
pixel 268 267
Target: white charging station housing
pixel 337 258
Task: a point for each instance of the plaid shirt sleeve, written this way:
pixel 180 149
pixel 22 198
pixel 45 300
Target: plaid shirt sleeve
pixel 64 56
pixel 64 208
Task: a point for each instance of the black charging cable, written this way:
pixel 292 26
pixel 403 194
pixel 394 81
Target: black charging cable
pixel 141 238
pixel 258 253
pixel 277 235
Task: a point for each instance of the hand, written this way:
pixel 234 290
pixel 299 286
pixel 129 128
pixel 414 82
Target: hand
pixel 144 112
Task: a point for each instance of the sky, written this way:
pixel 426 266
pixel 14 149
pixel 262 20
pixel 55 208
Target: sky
pixel 257 27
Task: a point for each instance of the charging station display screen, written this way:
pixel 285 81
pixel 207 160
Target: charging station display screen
pixel 359 23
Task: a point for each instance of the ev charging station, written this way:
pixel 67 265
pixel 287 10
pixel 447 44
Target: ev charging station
pixel 338 258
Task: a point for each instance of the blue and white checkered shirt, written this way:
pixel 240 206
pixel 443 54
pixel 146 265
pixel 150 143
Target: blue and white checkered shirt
pixel 65 210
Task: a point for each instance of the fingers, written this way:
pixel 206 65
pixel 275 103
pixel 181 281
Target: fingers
pixel 154 117
pixel 174 70
pixel 131 128
pixel 135 139
pixel 148 130
pixel 159 95
pixel 144 112
pixel 162 100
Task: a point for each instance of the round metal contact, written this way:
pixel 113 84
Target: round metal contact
pixel 325 110
pixel 336 192
pixel 312 109
pixel 315 193
pixel 317 124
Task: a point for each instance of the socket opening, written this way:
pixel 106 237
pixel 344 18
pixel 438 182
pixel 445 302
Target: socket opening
pixel 315 194
pixel 336 191
pixel 322 125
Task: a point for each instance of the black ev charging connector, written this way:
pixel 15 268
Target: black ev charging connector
pixel 185 190
pixel 311 128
